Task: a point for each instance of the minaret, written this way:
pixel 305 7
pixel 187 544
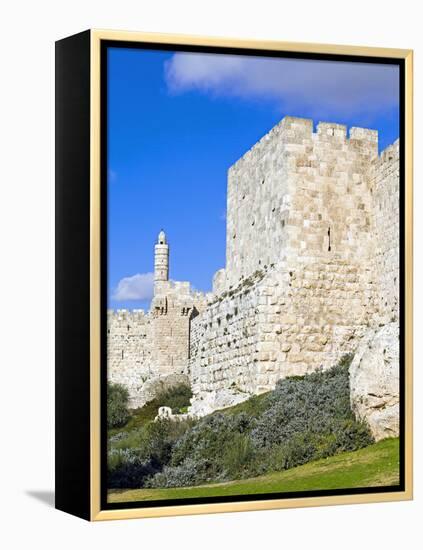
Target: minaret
pixel 161 259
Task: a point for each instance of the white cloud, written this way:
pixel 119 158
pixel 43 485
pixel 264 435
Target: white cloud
pixel 328 86
pixel 137 287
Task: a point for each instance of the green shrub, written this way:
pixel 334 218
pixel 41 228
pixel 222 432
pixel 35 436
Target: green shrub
pixel 117 405
pixel 135 456
pixel 303 419
pixel 309 418
pixel 126 469
pixel 216 448
pixel 185 474
pixel 238 455
pixel 254 406
pixel 177 398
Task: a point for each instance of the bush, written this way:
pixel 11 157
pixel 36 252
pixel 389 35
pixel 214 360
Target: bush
pixel 187 473
pixel 126 469
pixel 238 455
pixel 117 405
pixel 177 398
pixel 162 436
pixel 303 419
pixel 135 456
pixel 309 418
pixel 216 448
pixel 253 407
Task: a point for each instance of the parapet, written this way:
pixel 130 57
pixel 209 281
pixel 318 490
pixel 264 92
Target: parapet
pixel 219 281
pixel 365 139
pixel 182 286
pixel 302 128
pixel 294 130
pixel 125 314
pixel 391 152
pixel 332 129
pixel 290 129
pixel 364 134
pixel 298 126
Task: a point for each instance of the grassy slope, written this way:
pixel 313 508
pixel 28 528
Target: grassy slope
pixel 376 465
pixel 254 406
pixel 140 417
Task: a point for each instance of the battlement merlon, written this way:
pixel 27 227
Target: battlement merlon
pixel 294 130
pixel 180 291
pixel 126 312
pixel 391 152
pixel 172 287
pixel 125 315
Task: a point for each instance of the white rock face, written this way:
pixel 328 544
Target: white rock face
pixel 165 413
pixel 374 380
pixel 207 402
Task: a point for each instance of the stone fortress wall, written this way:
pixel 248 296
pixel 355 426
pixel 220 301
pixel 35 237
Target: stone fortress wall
pixel 129 348
pixel 384 186
pixel 312 264
pixel 147 351
pixel 312 258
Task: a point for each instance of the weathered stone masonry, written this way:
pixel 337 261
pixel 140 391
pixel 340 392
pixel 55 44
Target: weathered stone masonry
pixel 315 217
pixel 147 351
pixel 311 266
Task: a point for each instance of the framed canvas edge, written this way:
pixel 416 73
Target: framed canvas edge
pixel 96 513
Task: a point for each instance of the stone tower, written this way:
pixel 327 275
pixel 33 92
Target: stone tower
pixel 150 351
pixel 161 260
pixel 311 259
pixel 171 312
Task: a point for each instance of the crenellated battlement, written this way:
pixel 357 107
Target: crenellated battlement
pixel 390 153
pixel 299 131
pixel 124 314
pixel 289 194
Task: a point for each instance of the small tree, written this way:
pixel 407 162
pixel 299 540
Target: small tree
pixel 176 397
pixel 117 405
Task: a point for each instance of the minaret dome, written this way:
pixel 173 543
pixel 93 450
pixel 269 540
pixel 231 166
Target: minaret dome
pixel 162 237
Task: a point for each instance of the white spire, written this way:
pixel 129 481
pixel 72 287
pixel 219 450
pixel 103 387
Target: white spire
pixel 161 258
pixel 162 237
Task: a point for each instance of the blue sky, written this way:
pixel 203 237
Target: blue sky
pixel 177 121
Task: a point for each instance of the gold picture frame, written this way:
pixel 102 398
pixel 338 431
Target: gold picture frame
pixel 85 51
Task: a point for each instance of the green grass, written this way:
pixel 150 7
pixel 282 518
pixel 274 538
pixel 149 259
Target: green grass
pixel 139 417
pixel 375 465
pixel 254 406
pixel 176 397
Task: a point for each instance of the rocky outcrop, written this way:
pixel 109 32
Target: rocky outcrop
pixel 374 381
pixel 156 385
pixel 165 413
pixel 206 402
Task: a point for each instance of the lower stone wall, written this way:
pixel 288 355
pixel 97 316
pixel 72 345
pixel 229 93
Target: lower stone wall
pixel 386 217
pixel 129 352
pixel 223 341
pixel 325 310
pixel 279 322
pixel 144 350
